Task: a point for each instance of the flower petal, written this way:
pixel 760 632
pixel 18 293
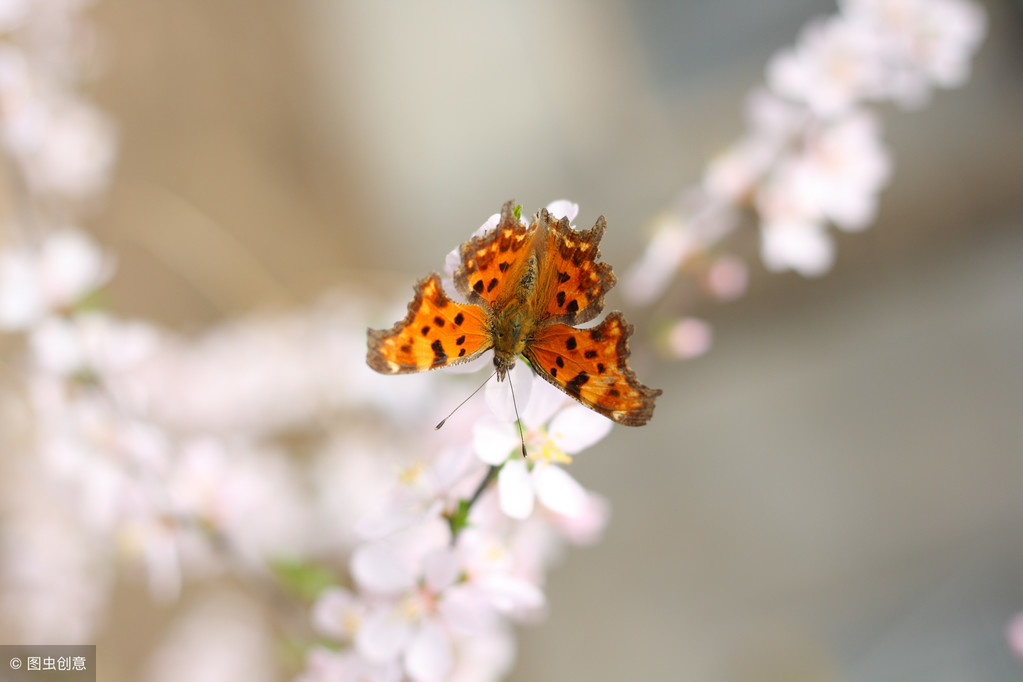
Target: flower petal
pixel 576 428
pixel 801 246
pixel 377 569
pixel 558 491
pixel 544 402
pixel 383 635
pixel 563 208
pixel 336 613
pixel 510 593
pixel 502 398
pixel 467 610
pixel 494 440
pixel 429 657
pixel 515 490
pixel 440 568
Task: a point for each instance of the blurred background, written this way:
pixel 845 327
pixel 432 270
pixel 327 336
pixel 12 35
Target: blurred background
pixel 832 493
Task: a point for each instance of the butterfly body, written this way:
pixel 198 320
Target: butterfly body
pixel 525 287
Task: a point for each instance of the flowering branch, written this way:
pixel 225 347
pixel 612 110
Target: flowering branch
pixel 813 155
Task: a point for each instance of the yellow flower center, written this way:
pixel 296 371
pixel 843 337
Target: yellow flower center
pixel 351 621
pixel 552 454
pixel 410 474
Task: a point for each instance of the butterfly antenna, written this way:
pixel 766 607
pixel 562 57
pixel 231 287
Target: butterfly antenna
pixel 518 420
pixel 442 421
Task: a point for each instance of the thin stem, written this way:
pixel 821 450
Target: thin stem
pixel 459 518
pixel 494 468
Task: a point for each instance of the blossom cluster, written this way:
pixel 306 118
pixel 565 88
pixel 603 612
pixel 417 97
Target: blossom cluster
pixel 460 546
pixel 813 154
pixel 266 441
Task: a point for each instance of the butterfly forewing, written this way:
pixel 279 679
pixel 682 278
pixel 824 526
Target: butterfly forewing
pixel 591 366
pixel 573 283
pixel 493 263
pixel 436 332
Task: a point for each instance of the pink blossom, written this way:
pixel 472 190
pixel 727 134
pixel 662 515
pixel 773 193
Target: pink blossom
pixel 689 338
pixel 1014 632
pixel 727 278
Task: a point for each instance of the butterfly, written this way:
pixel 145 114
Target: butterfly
pixel 526 288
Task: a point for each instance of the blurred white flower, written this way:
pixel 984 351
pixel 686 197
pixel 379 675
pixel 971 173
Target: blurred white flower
pixel 324 665
pixel 337 613
pixel 831 68
pixel 922 43
pixel 93 342
pixel 425 488
pixel 53 582
pixel 802 246
pixel 836 177
pixel 248 499
pixel 841 170
pixel 12 13
pixel 75 153
pixel 35 282
pixel 421 607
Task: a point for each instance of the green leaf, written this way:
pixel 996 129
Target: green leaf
pixel 303 579
pixel 518 212
pixel 93 301
pixel 459 519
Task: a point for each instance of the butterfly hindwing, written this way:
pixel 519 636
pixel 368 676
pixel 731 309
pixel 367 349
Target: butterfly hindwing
pixel 493 263
pixel 591 365
pixel 436 332
pixel 572 281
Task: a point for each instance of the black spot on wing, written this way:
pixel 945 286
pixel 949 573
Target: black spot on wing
pixel 560 362
pixel 570 344
pixel 563 277
pixel 590 354
pixel 439 321
pixel 425 330
pixel 460 340
pixel 439 355
pixel 478 286
pixel 459 319
pixel 561 298
pixel 575 385
pixel 573 307
pixel 492 285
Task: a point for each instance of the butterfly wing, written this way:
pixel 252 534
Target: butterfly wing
pixel 437 332
pixel 591 365
pixel 572 283
pixel 493 263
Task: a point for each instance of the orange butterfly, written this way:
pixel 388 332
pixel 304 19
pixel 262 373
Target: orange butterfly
pixel 525 286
